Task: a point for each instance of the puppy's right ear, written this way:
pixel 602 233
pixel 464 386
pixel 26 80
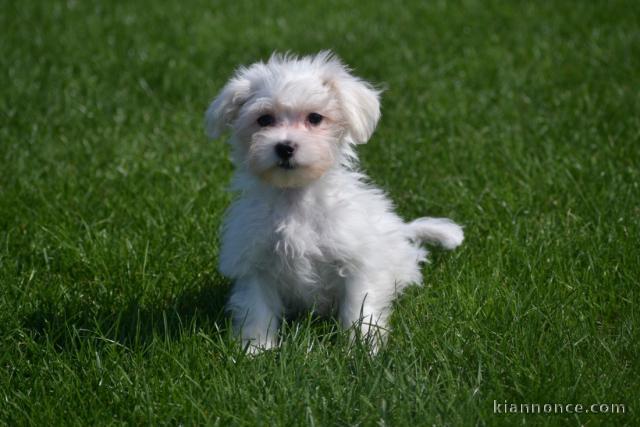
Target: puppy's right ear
pixel 224 109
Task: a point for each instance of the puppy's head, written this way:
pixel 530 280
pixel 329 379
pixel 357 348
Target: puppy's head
pixel 293 118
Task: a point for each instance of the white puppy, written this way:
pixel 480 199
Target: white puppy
pixel 307 231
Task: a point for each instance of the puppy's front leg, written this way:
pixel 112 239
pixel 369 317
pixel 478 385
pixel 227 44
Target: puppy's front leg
pixel 366 307
pixel 256 309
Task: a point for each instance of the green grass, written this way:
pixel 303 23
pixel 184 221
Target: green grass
pixel 520 120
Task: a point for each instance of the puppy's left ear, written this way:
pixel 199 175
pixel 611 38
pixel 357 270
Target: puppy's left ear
pixel 224 109
pixel 360 105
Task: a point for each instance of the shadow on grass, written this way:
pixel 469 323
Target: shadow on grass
pixel 135 320
pixel 133 323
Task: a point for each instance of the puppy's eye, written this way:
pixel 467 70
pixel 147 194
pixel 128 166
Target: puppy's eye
pixel 266 120
pixel 314 118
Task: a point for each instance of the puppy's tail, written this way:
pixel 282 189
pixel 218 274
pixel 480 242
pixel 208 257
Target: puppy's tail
pixel 441 231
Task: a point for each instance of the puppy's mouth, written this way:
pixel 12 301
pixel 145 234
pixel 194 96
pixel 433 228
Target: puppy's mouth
pixel 286 164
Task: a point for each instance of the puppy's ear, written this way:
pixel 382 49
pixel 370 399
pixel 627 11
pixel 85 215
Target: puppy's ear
pixel 224 109
pixel 360 105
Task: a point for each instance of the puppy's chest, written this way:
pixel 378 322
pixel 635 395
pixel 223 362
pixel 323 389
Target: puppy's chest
pixel 301 253
pixel 304 268
pixel 298 246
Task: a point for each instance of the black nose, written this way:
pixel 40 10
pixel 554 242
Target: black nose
pixel 285 150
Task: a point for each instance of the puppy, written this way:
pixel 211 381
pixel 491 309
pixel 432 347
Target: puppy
pixel 307 231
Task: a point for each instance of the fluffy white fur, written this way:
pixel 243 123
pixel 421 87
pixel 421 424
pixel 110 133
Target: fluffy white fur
pixel 309 232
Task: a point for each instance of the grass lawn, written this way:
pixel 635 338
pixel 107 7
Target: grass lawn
pixel 520 120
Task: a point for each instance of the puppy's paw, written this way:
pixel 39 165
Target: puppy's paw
pixel 254 347
pixel 254 350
